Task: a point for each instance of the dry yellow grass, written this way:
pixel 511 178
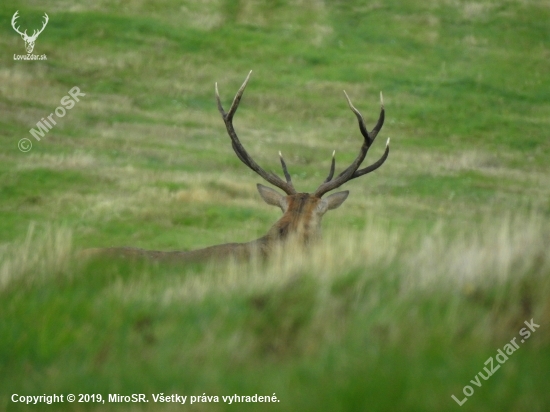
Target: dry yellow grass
pixel 42 253
pixel 499 251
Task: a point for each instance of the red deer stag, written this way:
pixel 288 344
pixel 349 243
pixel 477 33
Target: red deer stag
pixel 302 212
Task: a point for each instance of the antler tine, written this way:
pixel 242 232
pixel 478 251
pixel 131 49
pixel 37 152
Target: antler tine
pixel 240 151
pixel 14 22
pixel 375 165
pixel 285 171
pixel 236 100
pixel 46 20
pixel 14 18
pixel 360 119
pixel 332 166
pixel 350 172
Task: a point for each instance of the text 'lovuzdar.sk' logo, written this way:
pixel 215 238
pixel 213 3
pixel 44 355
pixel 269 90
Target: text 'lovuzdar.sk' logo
pixel 29 40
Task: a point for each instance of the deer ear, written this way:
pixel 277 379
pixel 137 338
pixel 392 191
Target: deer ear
pixel 272 197
pixel 333 201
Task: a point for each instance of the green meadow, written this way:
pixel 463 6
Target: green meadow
pixel 429 269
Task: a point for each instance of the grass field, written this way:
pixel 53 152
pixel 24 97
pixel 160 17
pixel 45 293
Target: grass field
pixel 433 264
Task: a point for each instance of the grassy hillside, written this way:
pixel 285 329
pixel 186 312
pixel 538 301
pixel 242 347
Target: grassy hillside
pixel 433 264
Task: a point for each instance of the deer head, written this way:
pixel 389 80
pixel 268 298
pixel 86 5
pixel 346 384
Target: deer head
pixel 302 212
pixel 29 40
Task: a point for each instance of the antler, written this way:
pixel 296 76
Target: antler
pixel 351 172
pixel 242 154
pixel 36 33
pixel 13 21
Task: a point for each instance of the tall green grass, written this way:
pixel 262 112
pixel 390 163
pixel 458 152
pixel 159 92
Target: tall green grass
pixel 381 320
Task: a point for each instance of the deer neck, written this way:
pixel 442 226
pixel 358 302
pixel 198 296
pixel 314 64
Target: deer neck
pixel 300 223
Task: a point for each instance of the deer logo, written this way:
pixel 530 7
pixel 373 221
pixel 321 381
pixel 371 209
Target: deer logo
pixel 29 40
